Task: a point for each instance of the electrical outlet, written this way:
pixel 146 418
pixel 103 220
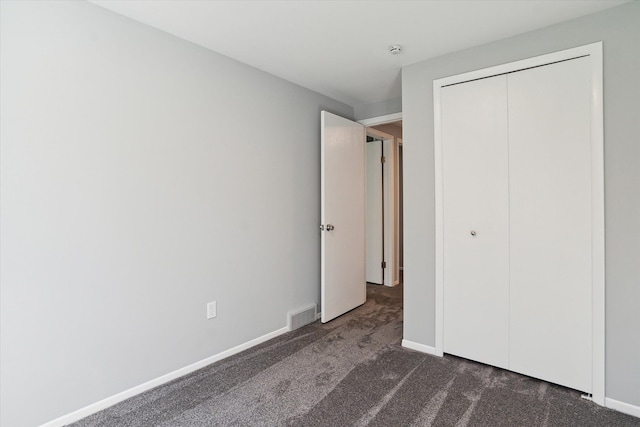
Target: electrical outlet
pixel 211 310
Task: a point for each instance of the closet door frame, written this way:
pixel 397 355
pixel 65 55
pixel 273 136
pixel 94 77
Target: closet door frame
pixel 594 51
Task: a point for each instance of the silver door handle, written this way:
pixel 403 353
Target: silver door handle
pixel 330 227
pixel 473 233
pixel 322 228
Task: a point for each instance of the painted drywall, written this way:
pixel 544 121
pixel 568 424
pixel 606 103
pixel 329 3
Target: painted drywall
pixel 377 109
pixel 391 129
pixel 619 29
pixel 142 176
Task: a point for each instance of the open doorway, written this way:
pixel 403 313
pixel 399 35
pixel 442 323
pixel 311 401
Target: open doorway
pixel 384 204
pixel 343 284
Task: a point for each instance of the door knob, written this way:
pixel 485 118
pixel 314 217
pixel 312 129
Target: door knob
pixel 329 227
pixel 473 233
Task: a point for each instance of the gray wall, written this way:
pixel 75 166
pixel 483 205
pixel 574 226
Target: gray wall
pixel 142 176
pixel 377 109
pixel 620 30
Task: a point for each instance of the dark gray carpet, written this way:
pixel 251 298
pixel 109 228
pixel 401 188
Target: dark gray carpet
pixel 353 372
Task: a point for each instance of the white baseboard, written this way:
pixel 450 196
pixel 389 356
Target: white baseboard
pixel 617 405
pixel 623 407
pixel 419 347
pixel 117 398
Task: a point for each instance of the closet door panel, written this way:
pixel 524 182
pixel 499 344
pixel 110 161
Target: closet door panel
pixel 475 212
pixel 550 223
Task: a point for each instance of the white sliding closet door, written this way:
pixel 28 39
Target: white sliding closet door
pixel 550 214
pixel 476 220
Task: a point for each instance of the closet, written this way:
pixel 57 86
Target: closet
pixel 516 222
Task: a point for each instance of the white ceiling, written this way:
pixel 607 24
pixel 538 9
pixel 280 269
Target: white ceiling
pixel 340 48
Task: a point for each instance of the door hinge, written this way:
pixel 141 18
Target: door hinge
pixel 383 159
pixel 384 264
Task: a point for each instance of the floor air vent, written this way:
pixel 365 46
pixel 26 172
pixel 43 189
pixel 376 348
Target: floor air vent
pixel 301 317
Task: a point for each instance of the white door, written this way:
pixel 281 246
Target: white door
pixel 374 206
pixel 389 217
pixel 550 211
pixel 343 285
pixel 476 220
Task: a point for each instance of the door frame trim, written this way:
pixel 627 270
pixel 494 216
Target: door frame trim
pixel 594 50
pixel 381 120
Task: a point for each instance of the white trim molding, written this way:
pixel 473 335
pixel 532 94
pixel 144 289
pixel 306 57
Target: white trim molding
pixel 594 51
pixel 419 347
pixel 623 407
pixel 381 120
pixel 117 398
